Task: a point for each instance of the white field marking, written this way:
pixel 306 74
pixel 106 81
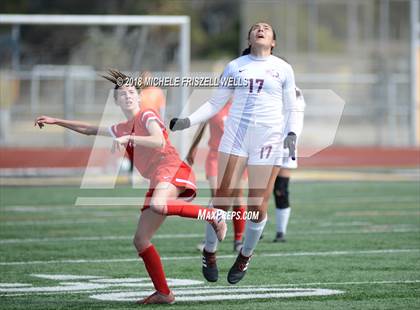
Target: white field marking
pixel 175 258
pixel 365 230
pixel 54 222
pixel 64 277
pixel 121 280
pixel 94 203
pixel 65 287
pixel 109 201
pixel 43 240
pixel 65 209
pixel 67 222
pixel 133 201
pixel 90 285
pixel 124 201
pixel 339 224
pixel 9 285
pixel 111 282
pixel 377 213
pixel 128 218
pixel 189 295
pixel 31 209
pixel 367 199
pixel 96 238
pixel 294 285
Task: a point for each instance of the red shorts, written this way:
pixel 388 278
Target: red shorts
pixel 211 165
pixel 181 176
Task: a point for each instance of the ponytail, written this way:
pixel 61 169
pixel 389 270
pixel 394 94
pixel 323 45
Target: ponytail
pixel 246 51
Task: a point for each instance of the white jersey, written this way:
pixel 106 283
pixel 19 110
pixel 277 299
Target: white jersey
pixel 263 84
pixel 264 88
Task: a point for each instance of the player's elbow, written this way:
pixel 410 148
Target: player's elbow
pixel 91 131
pixel 159 141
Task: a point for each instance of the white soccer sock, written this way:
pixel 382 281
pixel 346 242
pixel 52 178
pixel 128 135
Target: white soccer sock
pixel 282 219
pixel 253 232
pixel 211 241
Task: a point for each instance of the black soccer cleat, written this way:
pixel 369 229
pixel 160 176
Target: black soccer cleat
pixel 279 237
pixel 238 270
pixel 210 271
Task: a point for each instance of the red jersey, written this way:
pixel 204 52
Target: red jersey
pixel 217 127
pixel 146 159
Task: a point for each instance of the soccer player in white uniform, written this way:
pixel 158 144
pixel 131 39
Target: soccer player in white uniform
pixel 253 137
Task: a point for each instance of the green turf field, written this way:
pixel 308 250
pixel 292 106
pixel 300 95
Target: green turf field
pixel 357 241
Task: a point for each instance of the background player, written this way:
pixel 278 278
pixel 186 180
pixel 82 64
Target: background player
pixel 253 136
pixel 152 97
pixel 145 139
pixel 216 125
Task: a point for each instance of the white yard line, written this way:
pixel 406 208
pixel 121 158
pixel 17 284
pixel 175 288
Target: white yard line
pixel 66 208
pixel 196 257
pixel 86 203
pixel 107 219
pixel 365 230
pixel 95 238
pixel 377 213
pixel 228 288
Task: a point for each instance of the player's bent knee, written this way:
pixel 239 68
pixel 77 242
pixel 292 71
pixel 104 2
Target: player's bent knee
pixel 140 243
pixel 158 206
pixel 281 193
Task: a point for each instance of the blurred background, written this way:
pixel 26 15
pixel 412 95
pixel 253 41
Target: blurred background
pixel 365 51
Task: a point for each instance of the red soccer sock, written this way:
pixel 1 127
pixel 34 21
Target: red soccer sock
pixel 187 209
pixel 239 223
pixel 154 268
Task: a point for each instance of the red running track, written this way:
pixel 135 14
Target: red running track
pixel 332 157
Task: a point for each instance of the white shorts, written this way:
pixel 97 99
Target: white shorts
pixel 287 162
pixel 262 144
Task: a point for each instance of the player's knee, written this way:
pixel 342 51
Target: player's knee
pixel 281 192
pixel 140 243
pixel 158 205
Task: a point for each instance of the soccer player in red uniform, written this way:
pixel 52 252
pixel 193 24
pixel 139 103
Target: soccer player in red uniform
pixel 146 141
pixel 217 125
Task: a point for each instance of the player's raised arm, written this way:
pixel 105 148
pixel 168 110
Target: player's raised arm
pixel 294 111
pixel 209 108
pixel 77 126
pixel 293 107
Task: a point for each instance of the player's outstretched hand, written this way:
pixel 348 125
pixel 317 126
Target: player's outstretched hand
pixel 120 142
pixel 290 143
pixel 179 123
pixel 42 120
